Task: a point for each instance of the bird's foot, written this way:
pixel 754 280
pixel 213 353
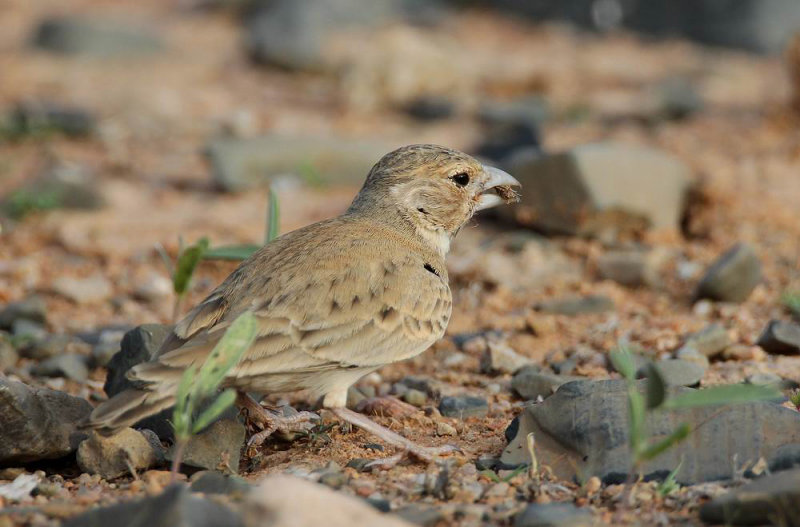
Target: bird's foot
pixel 408 448
pixel 270 422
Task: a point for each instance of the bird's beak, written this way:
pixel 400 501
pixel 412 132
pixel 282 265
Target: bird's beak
pixel 497 189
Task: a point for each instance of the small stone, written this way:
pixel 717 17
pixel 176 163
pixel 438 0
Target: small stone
pixel 70 366
pixel 577 305
pixel 415 397
pixel 742 352
pixel 36 116
pixel 463 407
pixel 32 308
pixel 334 480
pixel 501 358
pixel 710 341
pixel 37 423
pixel 154 288
pixel 692 355
pixel 553 515
pixel 83 290
pixel 213 482
pixel 430 108
pixel 593 485
pixel 359 464
pixel 276 497
pixel 176 506
pixel 677 372
pixel 530 383
pixel 780 337
pixel 55 345
pixel 445 429
pixel 633 268
pixel 218 447
pixel 28 331
pixel 510 127
pixel 72 35
pixel 772 379
pixel 498 490
pixel 354 397
pixel 8 355
pixel 117 455
pixel 732 277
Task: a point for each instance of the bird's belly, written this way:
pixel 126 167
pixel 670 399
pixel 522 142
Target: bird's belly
pixel 319 383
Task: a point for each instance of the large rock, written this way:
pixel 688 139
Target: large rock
pixel 218 447
pixel 117 455
pixel 554 515
pixel 595 188
pixel 96 38
pixel 732 277
pixel 32 309
pixel 276 498
pixel 583 429
pixel 175 507
pixel 37 423
pixel 139 345
pixel 238 164
pixel 781 337
pixel 770 500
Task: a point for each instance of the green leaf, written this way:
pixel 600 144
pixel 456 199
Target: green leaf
pixel 637 420
pixel 214 410
pixel 724 394
pixel 656 387
pixel 491 475
pixel 230 348
pixel 184 402
pixel 792 302
pixel 187 262
pixel 622 359
pixel 653 451
pixel 670 484
pixel 516 472
pixel 273 217
pixel 231 252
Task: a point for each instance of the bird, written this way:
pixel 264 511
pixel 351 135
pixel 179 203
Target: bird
pixel 334 300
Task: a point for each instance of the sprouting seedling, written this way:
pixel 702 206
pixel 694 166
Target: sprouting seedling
pixel 198 385
pixel 791 299
pixel 182 271
pixel 242 252
pixel 670 484
pixel 657 398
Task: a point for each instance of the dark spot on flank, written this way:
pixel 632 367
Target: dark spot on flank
pixel 335 306
pixel 422 210
pixel 430 269
pixel 356 301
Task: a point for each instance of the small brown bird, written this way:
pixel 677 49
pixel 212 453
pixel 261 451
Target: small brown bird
pixel 334 300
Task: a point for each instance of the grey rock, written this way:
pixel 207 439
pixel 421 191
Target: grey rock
pixel 553 515
pixel 690 354
pixel 333 479
pixel 511 126
pixel 117 455
pixel 37 423
pixel 633 268
pixel 54 345
pixel 218 447
pixel 530 383
pixel 415 397
pixel 213 482
pixel 359 464
pixel 677 372
pixel 676 98
pixel 83 290
pixel 430 108
pixel 601 187
pixel 35 117
pixel 773 379
pixel 294 35
pixel 238 164
pixel 732 277
pixel 175 507
pixel 583 428
pixel 8 354
pixel 139 345
pixel 434 388
pixel 69 365
pixel 32 308
pixel 94 38
pixel 463 406
pixel 29 331
pixel 770 500
pixel 501 358
pixel 780 337
pixel 576 305
pixel 709 341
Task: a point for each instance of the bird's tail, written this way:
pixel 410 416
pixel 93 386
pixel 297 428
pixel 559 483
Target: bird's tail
pixel 132 405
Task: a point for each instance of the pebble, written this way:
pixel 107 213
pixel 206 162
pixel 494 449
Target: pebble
pixel 499 357
pixel 463 406
pixel 710 341
pixel 117 455
pixel 445 429
pixel 780 337
pixel 732 277
pixel 55 345
pixel 593 485
pixel 83 290
pixel 32 309
pixel 68 365
pixel 415 397
pixel 677 372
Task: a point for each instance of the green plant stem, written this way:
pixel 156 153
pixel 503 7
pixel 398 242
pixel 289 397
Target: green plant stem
pixel 180 446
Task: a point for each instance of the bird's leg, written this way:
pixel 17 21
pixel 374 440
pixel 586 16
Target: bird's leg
pixel 271 422
pixel 394 439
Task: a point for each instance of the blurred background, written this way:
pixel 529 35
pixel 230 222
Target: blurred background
pixel 125 126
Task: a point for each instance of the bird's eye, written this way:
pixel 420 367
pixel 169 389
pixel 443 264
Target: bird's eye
pixel 461 179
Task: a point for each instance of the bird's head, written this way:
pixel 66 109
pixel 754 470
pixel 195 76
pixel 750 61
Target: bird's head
pixel 435 189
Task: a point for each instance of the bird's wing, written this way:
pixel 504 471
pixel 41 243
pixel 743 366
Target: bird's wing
pixel 338 305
